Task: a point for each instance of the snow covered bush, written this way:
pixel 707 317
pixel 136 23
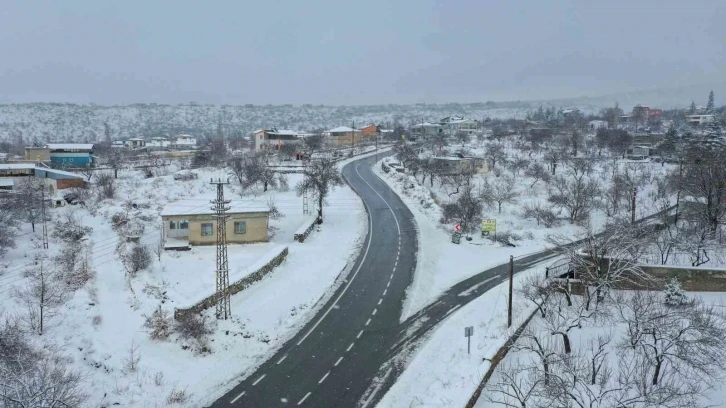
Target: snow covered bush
pixel 158 324
pixel 137 259
pixel 70 228
pixel 192 326
pixel 674 295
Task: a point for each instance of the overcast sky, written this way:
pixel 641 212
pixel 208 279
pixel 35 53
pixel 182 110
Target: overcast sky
pixel 353 52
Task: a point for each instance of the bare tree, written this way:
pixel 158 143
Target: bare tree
pixel 541 213
pixel 466 210
pixel 107 186
pixel 252 169
pixel 320 177
pixel 288 150
pixel 705 180
pixel 537 172
pixel 500 190
pixel 133 357
pixel 576 195
pixel 116 161
pixel 42 297
pixel 495 153
pixel 513 385
pixel 28 198
pixel 462 137
pixel 537 290
pixel 313 142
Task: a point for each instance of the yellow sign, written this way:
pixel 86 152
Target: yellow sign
pixel 488 226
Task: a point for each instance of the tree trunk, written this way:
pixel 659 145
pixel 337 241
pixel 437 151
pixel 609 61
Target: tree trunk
pixel 115 172
pixel 656 373
pixel 500 207
pixel 320 209
pixel 566 342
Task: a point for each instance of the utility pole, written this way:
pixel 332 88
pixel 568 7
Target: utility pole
pixel 632 205
pixel 42 214
pixel 221 206
pixel 353 143
pixel 511 287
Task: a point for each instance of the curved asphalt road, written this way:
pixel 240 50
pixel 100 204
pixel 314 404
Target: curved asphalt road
pixel 333 359
pixel 350 353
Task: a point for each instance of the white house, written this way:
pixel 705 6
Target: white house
pixel 135 143
pixel 159 143
pixel 185 142
pixel 699 119
pixel 454 124
pixel 272 138
pixel 598 124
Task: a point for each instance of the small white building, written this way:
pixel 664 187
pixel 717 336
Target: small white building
pixel 184 141
pixel 159 143
pixel 699 119
pixel 135 143
pixel 598 124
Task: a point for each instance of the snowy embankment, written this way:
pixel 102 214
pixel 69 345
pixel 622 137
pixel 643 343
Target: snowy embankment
pixel 97 324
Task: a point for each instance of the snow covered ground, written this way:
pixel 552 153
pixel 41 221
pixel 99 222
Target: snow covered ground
pixel 97 325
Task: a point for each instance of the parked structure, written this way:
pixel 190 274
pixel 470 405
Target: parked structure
pixel 184 141
pixel 700 119
pixel 345 136
pixel 13 174
pixel 71 154
pixel 187 221
pixel 454 124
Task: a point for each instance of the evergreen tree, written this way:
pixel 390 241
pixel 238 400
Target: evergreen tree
pixel 674 295
pixel 692 110
pixel 709 106
pixel 670 141
pixel 712 135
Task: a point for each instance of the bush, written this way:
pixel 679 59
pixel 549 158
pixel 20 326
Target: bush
pixel 674 295
pixel 178 396
pixel 194 326
pixel 506 238
pixel 139 258
pixel 107 185
pixel 158 324
pixel 118 220
pixel 70 229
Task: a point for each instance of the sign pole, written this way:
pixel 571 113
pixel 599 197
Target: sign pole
pixel 511 284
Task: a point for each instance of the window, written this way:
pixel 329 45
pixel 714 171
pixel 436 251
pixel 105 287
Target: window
pixel 172 225
pixel 206 229
pixel 183 224
pixel 240 227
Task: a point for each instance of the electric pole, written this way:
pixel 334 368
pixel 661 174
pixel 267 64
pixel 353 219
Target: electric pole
pixel 221 206
pixel 42 214
pixel 632 205
pixel 511 285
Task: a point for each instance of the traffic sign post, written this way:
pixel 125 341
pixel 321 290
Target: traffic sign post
pixel 488 227
pixel 468 332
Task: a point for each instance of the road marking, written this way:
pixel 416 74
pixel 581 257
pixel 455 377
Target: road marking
pixel 380 301
pixel 349 347
pixel 259 379
pixel 375 311
pixel 452 309
pixel 384 292
pixel 238 397
pixel 359 334
pixel 303 399
pixel 282 359
pixel 365 255
pixel 469 291
pixel 368 322
pixel 324 377
pixel 389 283
pixel 395 264
pixel 378 388
pixel 338 362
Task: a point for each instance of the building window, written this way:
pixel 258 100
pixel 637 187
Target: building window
pixel 206 229
pixel 184 224
pixel 240 227
pixel 172 225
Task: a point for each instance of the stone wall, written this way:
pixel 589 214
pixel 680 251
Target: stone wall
pixel 301 236
pixel 235 287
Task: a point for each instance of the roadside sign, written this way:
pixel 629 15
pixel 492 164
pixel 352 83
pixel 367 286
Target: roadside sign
pixel 457 228
pixel 468 332
pixel 488 226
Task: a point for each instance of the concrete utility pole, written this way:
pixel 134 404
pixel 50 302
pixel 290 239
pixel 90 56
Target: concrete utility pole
pixel 632 205
pixel 42 214
pixel 511 287
pixel 221 206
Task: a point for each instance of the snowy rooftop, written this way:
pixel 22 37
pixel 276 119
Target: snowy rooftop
pixel 341 129
pixel 16 166
pixel 202 207
pixel 286 132
pixel 70 146
pixel 5 182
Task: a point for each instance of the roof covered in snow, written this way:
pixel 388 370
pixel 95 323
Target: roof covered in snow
pixel 204 207
pixel 341 129
pixel 285 132
pixel 16 166
pixel 6 182
pixel 70 146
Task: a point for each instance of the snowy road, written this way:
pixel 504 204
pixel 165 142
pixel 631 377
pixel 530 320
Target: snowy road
pixel 332 361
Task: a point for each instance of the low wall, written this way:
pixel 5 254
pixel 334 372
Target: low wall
pixel 302 233
pixel 235 287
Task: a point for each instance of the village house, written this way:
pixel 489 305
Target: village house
pixel 70 154
pixel 267 139
pixel 135 143
pixel 699 119
pixel 345 136
pixel 13 174
pixel 158 143
pixel 598 124
pixel 184 141
pixel 188 223
pixel 455 124
pixel 426 129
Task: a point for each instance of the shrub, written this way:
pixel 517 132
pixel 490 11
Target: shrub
pixel 158 324
pixel 178 396
pixel 139 258
pixel 191 325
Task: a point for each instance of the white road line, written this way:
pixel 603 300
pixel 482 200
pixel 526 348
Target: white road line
pixel 338 362
pixel 375 311
pixel 282 359
pixel 350 347
pixel 388 284
pixel 378 388
pixel 259 379
pixel 238 397
pixel 303 399
pixel 384 292
pixel 380 301
pixel 324 377
pixel 368 322
pixel 359 334
pixel 365 254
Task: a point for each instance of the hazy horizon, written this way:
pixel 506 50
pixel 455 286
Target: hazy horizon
pixel 325 52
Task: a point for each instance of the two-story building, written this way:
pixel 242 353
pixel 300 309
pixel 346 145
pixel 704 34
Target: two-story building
pixel 268 139
pixel 70 154
pixel 700 119
pixel 455 124
pixel 345 136
pixel 184 141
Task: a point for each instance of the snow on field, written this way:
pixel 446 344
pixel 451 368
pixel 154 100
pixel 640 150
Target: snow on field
pixel 98 324
pixel 441 263
pixel 442 373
